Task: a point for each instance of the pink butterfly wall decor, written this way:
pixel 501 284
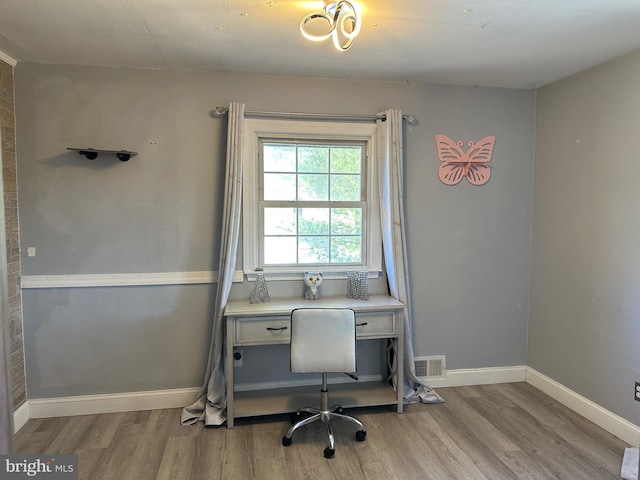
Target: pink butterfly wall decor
pixel 457 163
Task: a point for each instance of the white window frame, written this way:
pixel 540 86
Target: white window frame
pixel 257 128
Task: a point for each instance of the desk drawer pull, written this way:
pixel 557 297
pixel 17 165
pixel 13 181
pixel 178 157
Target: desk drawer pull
pixel 273 329
pixel 362 324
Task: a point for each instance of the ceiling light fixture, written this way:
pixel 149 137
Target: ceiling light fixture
pixel 343 21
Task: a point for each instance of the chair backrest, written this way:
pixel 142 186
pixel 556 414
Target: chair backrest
pixel 323 340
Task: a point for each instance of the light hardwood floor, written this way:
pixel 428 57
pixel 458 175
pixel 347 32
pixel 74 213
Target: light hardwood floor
pixel 505 431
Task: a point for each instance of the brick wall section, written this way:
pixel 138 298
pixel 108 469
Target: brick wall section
pixel 10 184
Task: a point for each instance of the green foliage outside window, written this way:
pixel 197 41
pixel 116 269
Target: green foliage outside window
pixel 312 179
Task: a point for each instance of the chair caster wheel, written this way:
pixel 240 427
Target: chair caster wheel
pixel 328 452
pixel 360 435
pixel 339 410
pixel 286 441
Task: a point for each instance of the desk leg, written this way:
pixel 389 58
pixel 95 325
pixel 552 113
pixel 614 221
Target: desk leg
pixel 230 326
pixel 400 360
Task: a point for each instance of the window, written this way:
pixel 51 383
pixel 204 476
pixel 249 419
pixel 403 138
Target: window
pixel 309 198
pixel 311 203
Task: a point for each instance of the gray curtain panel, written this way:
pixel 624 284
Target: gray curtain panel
pixel 210 407
pixel 390 177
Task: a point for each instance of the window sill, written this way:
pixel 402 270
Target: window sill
pixel 331 273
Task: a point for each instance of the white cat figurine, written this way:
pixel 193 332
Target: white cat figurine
pixel 312 280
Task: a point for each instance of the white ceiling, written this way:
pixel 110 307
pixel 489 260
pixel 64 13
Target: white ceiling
pixel 501 43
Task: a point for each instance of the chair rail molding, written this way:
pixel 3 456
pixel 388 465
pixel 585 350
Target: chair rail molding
pixel 122 279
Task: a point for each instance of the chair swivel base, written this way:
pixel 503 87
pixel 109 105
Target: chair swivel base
pixel 325 416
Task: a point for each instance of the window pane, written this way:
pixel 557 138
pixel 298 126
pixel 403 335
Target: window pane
pixel 280 221
pixel 346 221
pixel 345 249
pixel 313 203
pixel 345 187
pixel 313 187
pixel 279 250
pixel 279 158
pixel 279 186
pixel 313 158
pixel 313 250
pixel 314 221
pixel 346 159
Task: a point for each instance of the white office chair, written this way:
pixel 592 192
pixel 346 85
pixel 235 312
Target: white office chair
pixel 323 340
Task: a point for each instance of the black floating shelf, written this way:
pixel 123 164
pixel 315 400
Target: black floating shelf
pixel 92 153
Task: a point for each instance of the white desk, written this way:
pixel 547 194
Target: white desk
pixel 249 324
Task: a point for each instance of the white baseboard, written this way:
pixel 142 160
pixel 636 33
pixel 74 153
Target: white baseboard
pixel 111 403
pixel 159 399
pixel 610 422
pixel 478 376
pixel 20 416
pixel 136 401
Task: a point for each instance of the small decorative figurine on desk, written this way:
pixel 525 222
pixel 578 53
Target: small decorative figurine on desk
pixel 312 280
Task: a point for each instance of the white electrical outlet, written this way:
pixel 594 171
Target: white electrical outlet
pixel 237 357
pixel 31 251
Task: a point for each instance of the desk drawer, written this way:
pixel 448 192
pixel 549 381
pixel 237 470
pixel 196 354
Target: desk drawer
pixel 275 329
pixel 262 330
pixel 375 325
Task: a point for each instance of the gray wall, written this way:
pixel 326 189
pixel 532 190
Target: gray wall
pixel 584 330
pixel 469 247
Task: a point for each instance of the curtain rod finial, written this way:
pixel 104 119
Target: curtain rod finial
pixel 220 111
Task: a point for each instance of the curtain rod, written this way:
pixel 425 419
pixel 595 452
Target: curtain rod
pixel 220 111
